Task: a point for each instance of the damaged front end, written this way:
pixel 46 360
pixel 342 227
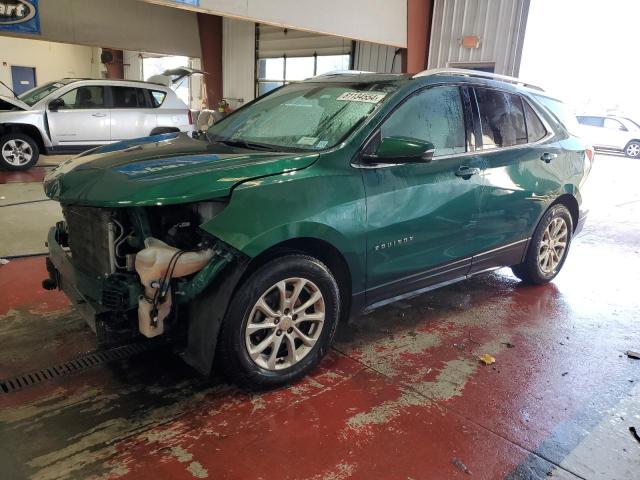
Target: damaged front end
pixel 136 271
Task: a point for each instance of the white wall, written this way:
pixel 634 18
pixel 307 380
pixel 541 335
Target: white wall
pixel 51 60
pixel 121 24
pixel 238 60
pixel 378 21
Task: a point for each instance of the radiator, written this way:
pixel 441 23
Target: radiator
pixel 88 238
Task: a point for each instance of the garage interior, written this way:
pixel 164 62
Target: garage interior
pixel 401 394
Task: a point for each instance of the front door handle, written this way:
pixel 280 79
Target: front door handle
pixel 467 172
pixel 547 157
pixel 98 115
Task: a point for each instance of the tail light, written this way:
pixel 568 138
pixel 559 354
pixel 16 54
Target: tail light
pixel 590 152
pixel 190 118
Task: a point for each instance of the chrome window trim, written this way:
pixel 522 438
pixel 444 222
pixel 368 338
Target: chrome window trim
pixel 550 132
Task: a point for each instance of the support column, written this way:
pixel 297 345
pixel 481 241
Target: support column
pixel 210 27
pixel 419 14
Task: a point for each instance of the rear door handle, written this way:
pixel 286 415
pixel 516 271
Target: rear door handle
pixel 547 157
pixel 98 115
pixel 467 172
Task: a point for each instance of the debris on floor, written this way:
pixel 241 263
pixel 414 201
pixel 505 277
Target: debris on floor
pixel 508 344
pixel 635 434
pixel 460 466
pixel 3 261
pixel 487 359
pixel 632 354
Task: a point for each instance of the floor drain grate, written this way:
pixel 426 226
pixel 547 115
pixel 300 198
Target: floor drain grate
pixel 77 364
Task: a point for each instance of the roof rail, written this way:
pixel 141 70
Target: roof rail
pixel 477 74
pixel 342 72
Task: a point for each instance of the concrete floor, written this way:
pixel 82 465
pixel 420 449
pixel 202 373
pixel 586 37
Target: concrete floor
pixel 401 396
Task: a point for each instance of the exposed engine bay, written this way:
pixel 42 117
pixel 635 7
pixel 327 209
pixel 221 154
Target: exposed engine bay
pixel 145 260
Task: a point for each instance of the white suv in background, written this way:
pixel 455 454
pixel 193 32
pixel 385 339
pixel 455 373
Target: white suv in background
pixel 610 132
pixel 72 115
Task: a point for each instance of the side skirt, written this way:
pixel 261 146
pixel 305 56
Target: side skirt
pixel 443 275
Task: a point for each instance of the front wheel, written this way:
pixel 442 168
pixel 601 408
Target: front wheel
pixel 632 150
pixel 280 322
pixel 548 247
pixel 18 152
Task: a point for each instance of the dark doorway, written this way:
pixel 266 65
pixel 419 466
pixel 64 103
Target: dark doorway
pixel 23 78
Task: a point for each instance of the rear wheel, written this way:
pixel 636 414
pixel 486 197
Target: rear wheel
pixel 18 151
pixel 548 247
pixel 280 322
pixel 632 149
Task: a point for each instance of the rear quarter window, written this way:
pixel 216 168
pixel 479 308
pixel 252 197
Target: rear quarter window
pixel 535 127
pixel 157 98
pixel 562 113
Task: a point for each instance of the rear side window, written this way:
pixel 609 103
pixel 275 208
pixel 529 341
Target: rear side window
pixel 591 121
pixel 157 97
pixel 128 97
pixel 434 115
pixel 562 113
pixel 535 127
pixel 83 98
pixel 613 124
pixel 501 118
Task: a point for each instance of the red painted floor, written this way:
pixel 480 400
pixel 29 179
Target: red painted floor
pixel 401 396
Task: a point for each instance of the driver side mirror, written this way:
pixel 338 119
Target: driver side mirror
pixel 56 104
pixel 401 150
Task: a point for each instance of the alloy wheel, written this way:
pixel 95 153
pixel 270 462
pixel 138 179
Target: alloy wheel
pixel 285 323
pixel 17 152
pixel 633 149
pixel 553 245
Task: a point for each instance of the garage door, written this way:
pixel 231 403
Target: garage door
pixel 286 55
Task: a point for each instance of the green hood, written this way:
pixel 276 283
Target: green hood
pixel 162 170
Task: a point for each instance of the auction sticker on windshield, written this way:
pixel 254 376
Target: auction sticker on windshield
pixel 368 97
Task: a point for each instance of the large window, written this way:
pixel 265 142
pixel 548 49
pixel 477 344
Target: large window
pixel 84 98
pixel 129 97
pixel 30 97
pixel 303 116
pixel 275 72
pixel 501 118
pixel 434 115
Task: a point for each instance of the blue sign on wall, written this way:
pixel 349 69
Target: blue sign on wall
pixel 19 16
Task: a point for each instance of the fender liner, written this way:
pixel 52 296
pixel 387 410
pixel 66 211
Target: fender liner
pixel 206 313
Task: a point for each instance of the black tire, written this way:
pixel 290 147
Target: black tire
pixel 164 130
pixel 232 352
pixel 21 139
pixel 632 149
pixel 530 270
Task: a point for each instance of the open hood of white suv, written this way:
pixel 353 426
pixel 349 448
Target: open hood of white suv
pixel 173 76
pixel 12 101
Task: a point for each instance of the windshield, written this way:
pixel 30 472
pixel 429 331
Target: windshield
pixel 31 97
pixel 303 116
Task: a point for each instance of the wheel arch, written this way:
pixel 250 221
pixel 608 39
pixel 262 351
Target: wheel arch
pixel 26 129
pixel 318 248
pixel 163 130
pixel 636 140
pixel 569 201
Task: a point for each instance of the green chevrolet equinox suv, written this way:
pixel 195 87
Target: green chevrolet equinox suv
pixel 246 244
